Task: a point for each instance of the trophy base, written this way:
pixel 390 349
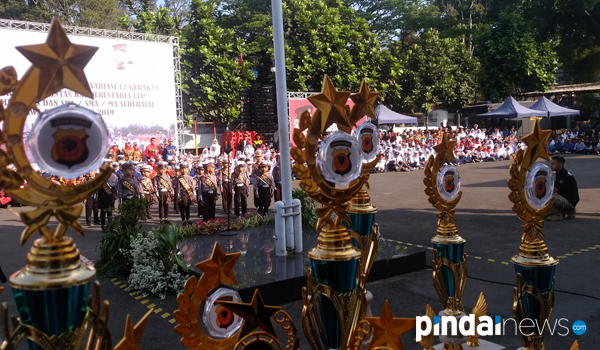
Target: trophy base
pixel 485 345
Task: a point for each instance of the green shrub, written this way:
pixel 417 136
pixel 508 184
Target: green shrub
pixel 117 237
pixel 308 205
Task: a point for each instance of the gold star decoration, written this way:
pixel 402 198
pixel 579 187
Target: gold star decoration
pixel 332 104
pixel 537 145
pixel 255 314
pixel 363 103
pixel 219 267
pixel 446 148
pixel 59 64
pixel 132 336
pixel 388 329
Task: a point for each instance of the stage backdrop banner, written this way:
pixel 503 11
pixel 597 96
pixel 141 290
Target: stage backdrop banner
pixel 299 105
pixel 132 81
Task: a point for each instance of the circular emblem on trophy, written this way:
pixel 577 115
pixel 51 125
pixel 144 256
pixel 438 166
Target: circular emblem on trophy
pixel 368 137
pixel 539 185
pixel 448 182
pixel 220 322
pixel 340 158
pixel 68 140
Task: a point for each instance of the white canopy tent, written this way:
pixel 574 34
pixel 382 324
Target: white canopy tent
pixel 387 116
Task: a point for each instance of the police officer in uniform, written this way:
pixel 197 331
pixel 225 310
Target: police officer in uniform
pixel 277 178
pixel 107 195
pixel 263 188
pixel 209 189
pixel 147 188
pixel 255 173
pixel 129 185
pixel 91 203
pixel 226 186
pixel 239 183
pixel 198 173
pixel 164 188
pixel 184 186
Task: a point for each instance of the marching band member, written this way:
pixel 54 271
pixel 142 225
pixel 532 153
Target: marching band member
pixel 183 186
pixel 128 184
pixel 163 185
pixel 147 188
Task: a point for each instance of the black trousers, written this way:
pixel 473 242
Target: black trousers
pixel 240 199
pixel 265 199
pixel 163 204
pixel 184 206
pixel 227 197
pixel 91 207
pixel 209 206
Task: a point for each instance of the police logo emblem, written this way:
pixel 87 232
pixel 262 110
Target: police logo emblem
pixel 367 142
pixel 368 137
pixel 341 161
pixel 220 321
pixel 70 147
pixel 340 158
pixel 448 182
pixel 538 184
pixel 68 141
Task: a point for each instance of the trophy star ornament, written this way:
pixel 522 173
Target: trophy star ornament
pixel 388 329
pixel 364 102
pixel 446 147
pixel 255 314
pixel 537 145
pixel 59 63
pixel 133 334
pixel 332 104
pixel 219 267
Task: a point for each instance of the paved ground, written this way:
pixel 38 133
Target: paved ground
pixel 484 218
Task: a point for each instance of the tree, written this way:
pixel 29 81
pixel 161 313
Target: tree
pixel 513 61
pixel 213 79
pixel 102 14
pixel 322 39
pixel 436 70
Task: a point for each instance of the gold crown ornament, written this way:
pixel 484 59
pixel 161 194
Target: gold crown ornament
pixel 68 140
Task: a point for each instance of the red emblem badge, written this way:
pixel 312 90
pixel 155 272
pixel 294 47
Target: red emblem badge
pixel 69 147
pixel 367 142
pixel 341 161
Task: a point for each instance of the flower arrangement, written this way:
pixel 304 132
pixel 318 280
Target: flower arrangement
pixel 157 268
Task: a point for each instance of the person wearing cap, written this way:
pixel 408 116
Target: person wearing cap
pixel 127 151
pixel 114 152
pixel 91 203
pixel 137 153
pixel 198 173
pixel 225 180
pixel 164 189
pixel 183 186
pixel 175 174
pixel 147 190
pixel 263 188
pixel 107 195
pixel 129 185
pixel 169 151
pixel 276 172
pixel 209 189
pixel 153 149
pixel 239 182
pixel 255 172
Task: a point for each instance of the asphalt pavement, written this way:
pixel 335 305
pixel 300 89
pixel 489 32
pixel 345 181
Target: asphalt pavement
pixel 484 218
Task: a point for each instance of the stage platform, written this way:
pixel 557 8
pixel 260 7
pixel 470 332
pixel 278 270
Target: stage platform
pixel 280 279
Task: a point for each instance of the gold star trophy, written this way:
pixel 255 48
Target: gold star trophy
pixel 442 186
pixel 531 186
pixel 54 279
